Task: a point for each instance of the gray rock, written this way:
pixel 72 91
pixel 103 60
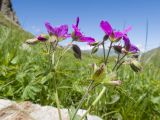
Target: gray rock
pixel 10 110
pixel 7 9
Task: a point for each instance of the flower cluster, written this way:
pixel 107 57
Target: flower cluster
pixel 116 36
pixel 61 33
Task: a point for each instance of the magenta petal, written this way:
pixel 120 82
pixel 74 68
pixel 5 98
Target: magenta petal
pixel 106 27
pixel 127 30
pixel 87 39
pixel 118 35
pixel 62 30
pixel 49 28
pixel 133 49
pixel 76 31
pixel 127 42
pixel 77 21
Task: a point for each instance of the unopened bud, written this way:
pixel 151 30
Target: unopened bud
pixel 94 44
pixel 105 37
pixel 99 74
pixel 32 41
pixel 118 49
pixel 43 37
pixel 114 82
pixel 94 49
pixel 77 51
pixel 135 65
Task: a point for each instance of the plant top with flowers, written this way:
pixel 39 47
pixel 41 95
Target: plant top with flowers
pixel 127 53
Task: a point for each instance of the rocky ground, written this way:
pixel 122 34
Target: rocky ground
pixel 10 110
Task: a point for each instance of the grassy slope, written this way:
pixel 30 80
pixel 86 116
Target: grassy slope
pixel 24 76
pixel 152 57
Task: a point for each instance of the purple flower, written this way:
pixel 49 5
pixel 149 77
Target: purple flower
pixel 78 36
pixel 127 42
pixel 114 36
pixel 133 49
pixel 106 27
pixel 128 46
pixel 87 39
pixel 60 32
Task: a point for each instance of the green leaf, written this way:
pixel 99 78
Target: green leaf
pixel 118 116
pixel 30 92
pixel 71 113
pixel 155 100
pixel 53 59
pixel 115 98
pixel 14 60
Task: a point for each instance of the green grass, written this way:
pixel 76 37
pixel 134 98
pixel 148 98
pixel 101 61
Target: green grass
pixel 24 75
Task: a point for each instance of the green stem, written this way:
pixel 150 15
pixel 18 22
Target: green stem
pixel 58 105
pixel 83 98
pixel 50 56
pixel 104 52
pixel 61 56
pixel 94 102
pixel 118 62
pixel 106 60
pixel 119 65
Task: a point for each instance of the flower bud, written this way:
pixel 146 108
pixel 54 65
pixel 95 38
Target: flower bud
pixel 135 56
pixel 94 49
pixel 32 41
pixel 135 65
pixel 43 37
pixel 118 49
pixel 99 74
pixel 77 51
pixel 105 38
pixel 114 82
pixel 94 44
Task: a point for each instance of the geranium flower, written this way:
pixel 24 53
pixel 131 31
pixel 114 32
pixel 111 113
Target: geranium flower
pixel 128 46
pixel 78 36
pixel 60 32
pixel 114 36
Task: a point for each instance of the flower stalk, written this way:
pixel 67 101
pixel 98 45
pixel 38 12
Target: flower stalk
pixel 94 102
pixel 106 60
pixel 83 99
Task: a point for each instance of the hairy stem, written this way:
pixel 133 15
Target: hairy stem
pixel 61 56
pixel 118 62
pixel 106 60
pixel 94 102
pixel 104 52
pixel 83 98
pixel 58 105
pixel 119 65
